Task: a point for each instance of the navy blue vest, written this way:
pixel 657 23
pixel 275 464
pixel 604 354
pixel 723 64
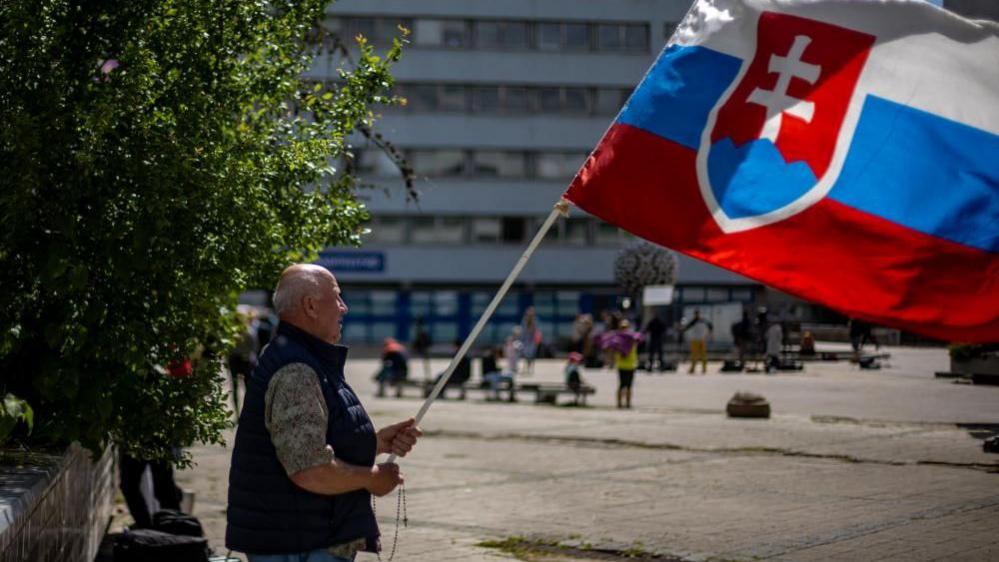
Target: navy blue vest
pixel 267 513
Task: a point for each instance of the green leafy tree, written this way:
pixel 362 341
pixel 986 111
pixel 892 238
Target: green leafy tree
pixel 156 159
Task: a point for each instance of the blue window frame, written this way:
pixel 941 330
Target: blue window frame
pixel 449 314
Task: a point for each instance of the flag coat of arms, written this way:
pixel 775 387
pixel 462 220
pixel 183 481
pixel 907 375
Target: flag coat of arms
pixel 844 151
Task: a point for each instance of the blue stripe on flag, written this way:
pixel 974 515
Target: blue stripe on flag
pixel 674 99
pixel 924 172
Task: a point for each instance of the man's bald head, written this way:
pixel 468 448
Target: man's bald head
pixel 297 282
pixel 308 296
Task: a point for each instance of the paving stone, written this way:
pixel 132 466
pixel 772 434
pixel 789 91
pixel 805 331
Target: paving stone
pixel 854 465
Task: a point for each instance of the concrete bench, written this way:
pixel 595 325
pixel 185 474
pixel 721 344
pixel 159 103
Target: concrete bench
pixel 544 393
pixel 425 387
pixel 547 393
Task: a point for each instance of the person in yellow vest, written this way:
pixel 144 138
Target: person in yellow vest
pixel 626 363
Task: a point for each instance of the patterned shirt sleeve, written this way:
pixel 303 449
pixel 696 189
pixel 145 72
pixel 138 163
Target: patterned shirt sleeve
pixel 296 416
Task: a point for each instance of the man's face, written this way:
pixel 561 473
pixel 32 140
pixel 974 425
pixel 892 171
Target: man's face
pixel 332 309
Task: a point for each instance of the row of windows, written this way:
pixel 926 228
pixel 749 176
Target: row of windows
pixel 577 231
pixel 450 314
pixel 442 304
pixel 498 34
pixel 430 305
pixel 443 163
pixel 503 99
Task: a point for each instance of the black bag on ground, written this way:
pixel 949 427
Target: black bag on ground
pixel 177 523
pixel 732 366
pixel 147 545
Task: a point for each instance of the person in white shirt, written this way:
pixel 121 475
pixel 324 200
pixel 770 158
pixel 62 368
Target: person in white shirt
pixel 775 342
pixel 512 350
pixel 698 332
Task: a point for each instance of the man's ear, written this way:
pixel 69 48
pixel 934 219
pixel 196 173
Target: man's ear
pixel 309 306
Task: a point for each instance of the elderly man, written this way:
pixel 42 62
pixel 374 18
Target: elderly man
pixel 303 466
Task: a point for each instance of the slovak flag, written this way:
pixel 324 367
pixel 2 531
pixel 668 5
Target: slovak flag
pixel 844 151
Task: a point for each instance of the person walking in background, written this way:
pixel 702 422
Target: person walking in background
pixel 775 343
pixel 590 356
pixel 698 332
pixel 611 323
pixel 530 338
pixel 742 335
pixel 762 323
pixel 655 330
pixel 807 347
pixel 582 340
pixel 582 327
pixel 625 351
pixel 422 343
pixel 512 349
pixel 861 333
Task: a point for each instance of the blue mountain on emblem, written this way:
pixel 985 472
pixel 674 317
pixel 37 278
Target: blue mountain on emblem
pixel 753 179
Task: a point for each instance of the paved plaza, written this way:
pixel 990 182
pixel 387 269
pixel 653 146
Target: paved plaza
pixel 853 465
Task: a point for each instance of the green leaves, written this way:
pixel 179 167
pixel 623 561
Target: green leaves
pixel 13 410
pixel 137 202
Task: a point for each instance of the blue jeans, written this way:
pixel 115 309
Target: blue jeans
pixel 497 380
pixel 317 555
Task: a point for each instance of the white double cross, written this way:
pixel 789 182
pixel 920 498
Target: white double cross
pixel 777 101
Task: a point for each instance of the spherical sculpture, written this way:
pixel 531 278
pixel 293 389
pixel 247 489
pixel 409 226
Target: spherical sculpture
pixel 643 263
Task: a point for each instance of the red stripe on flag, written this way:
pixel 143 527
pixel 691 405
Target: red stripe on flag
pixel 851 261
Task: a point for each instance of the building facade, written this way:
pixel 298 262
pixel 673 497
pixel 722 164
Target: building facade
pixel 504 102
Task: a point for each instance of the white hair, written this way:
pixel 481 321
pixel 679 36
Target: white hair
pixel 296 283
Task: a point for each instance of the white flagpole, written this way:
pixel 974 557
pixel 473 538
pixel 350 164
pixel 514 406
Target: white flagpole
pixel 561 208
